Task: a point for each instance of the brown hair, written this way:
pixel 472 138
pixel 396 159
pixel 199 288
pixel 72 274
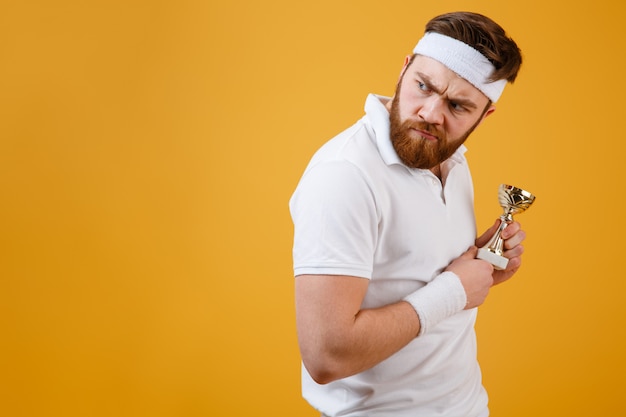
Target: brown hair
pixel 484 35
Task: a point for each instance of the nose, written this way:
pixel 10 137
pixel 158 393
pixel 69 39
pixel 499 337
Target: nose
pixel 432 110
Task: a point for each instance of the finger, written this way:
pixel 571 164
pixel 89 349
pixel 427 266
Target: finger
pixel 470 253
pixel 512 267
pixel 514 264
pixel 515 252
pixel 515 240
pixel 510 230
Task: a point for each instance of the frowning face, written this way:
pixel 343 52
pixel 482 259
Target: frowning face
pixel 433 112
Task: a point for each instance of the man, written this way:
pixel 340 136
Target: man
pixel 387 283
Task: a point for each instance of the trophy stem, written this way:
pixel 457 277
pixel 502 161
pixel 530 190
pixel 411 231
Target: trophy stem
pixel 496 243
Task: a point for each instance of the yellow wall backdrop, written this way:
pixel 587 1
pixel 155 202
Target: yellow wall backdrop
pixel 148 151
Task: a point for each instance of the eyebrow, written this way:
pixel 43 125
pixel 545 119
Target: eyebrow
pixel 465 102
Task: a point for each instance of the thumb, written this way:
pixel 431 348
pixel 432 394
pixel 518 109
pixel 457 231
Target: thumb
pixel 470 253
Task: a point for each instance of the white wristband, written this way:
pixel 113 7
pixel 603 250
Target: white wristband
pixel 441 298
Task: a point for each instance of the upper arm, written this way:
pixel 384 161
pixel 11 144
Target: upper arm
pixel 326 306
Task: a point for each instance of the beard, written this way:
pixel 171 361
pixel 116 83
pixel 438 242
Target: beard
pixel 418 152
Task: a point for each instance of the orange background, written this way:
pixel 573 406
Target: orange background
pixel 148 152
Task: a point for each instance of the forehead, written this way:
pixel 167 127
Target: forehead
pixel 443 80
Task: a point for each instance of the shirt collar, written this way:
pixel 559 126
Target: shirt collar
pixel 378 116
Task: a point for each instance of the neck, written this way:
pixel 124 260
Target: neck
pixel 436 170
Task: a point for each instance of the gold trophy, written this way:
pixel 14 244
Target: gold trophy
pixel 513 200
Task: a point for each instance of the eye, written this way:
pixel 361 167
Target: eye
pixel 422 86
pixel 457 107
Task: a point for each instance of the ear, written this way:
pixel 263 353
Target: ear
pixel 407 59
pixel 489 111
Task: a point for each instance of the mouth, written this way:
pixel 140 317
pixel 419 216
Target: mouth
pixel 429 137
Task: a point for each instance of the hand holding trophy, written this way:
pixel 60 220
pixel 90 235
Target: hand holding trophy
pixel 513 200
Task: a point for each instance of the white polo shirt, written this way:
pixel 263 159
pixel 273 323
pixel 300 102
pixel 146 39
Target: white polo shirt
pixel 359 211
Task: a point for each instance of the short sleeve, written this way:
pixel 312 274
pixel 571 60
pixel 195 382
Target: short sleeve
pixel 335 221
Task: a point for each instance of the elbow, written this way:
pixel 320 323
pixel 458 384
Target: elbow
pixel 324 367
pixel 320 372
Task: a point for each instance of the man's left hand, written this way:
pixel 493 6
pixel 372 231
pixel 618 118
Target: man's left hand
pixel 513 236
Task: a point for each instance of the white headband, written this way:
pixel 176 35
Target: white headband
pixel 461 58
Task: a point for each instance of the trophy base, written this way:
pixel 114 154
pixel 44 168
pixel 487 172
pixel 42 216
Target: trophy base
pixel 498 262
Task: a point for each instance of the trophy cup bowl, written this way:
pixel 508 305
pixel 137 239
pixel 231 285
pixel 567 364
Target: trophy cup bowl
pixel 513 201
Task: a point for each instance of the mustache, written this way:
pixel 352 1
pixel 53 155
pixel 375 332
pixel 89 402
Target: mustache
pixel 426 127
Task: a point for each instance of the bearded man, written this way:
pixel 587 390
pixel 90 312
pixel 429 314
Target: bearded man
pixel 387 280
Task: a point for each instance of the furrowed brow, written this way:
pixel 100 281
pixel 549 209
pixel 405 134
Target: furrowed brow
pixel 468 104
pixel 429 83
pixel 465 102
